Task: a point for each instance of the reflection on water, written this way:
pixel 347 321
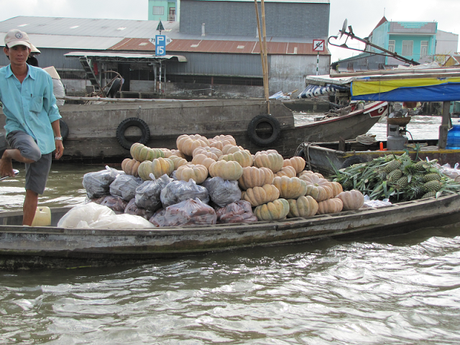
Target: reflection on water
pixel 398 290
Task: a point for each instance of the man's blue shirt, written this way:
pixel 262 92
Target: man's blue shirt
pixel 30 106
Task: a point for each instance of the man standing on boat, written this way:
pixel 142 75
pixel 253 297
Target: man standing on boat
pixel 32 120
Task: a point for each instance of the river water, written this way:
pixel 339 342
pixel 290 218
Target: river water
pixel 401 289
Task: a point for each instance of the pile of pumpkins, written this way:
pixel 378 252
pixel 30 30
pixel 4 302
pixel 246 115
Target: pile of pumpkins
pixel 276 187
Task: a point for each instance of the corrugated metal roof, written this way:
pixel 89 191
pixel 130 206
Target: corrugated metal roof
pixel 218 46
pixel 87 27
pixel 125 56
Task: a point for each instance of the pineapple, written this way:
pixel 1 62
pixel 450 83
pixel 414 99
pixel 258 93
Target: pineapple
pixel 431 176
pixel 394 175
pixel 432 186
pixel 431 194
pixel 402 182
pixel 392 165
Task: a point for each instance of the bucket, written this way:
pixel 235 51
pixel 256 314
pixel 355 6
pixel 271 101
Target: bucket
pixel 42 216
pixel 453 138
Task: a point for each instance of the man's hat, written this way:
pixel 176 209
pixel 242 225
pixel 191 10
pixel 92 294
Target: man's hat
pixel 17 37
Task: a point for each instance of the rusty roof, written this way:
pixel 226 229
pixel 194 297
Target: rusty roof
pixel 218 46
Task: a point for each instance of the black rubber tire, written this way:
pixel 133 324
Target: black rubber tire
pixel 352 160
pixel 132 122
pixel 267 121
pixel 64 129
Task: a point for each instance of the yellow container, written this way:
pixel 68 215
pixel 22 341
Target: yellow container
pixel 42 216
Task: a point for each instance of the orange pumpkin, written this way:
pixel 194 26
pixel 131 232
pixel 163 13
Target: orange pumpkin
pixel 297 162
pixel 352 200
pixel 290 187
pixel 277 209
pixel 211 152
pixel 287 170
pixel 219 141
pixel 304 206
pixel 187 143
pixel 332 205
pixel 130 166
pixel 336 188
pixel 261 195
pixel 178 161
pixel 196 172
pixel 229 148
pixel 202 159
pixel 255 177
pixel 158 167
pixel 270 159
pixel 243 157
pixel 318 187
pixel 227 170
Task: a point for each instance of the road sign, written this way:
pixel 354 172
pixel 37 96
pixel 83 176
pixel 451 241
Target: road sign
pixel 160 45
pixel 318 45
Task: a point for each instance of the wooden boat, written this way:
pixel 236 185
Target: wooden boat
pixel 104 132
pixel 325 157
pixel 52 247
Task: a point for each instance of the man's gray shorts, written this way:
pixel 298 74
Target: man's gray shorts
pixel 36 173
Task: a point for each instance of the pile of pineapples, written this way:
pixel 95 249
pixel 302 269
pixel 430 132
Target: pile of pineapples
pixel 397 178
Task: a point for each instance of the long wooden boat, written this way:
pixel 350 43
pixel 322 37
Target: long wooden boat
pixel 53 247
pixel 104 132
pixel 326 157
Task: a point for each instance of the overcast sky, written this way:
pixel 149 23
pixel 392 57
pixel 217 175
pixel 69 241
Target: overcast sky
pixel 362 15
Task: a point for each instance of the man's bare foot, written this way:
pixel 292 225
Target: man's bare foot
pixel 6 166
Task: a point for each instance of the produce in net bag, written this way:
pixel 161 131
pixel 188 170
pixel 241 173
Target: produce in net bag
pixel 222 192
pixel 236 212
pixel 97 184
pixel 133 209
pixel 187 212
pixel 115 203
pixel 125 186
pixel 148 193
pixel 178 191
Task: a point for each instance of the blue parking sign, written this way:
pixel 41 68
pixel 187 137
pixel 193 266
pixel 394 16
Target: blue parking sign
pixel 160 45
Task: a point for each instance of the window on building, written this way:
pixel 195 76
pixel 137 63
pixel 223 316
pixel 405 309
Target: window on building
pixel 423 48
pixel 391 46
pixel 172 14
pixel 407 48
pixel 158 10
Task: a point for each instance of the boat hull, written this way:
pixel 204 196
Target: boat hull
pixel 92 129
pixel 52 247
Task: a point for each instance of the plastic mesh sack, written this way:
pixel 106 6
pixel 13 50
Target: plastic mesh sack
pixel 222 192
pixel 148 193
pixel 97 184
pixel 178 191
pixel 125 186
pixel 187 212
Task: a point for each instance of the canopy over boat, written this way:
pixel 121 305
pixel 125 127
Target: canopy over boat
pixel 398 85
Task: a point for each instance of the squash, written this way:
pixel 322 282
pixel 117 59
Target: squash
pixel 277 209
pixel 305 173
pixel 336 188
pixel 255 177
pixel 270 159
pixel 158 167
pixel 243 157
pixel 196 172
pixel 332 205
pixel 178 161
pixel 187 143
pixel 318 187
pixel 297 162
pixel 177 153
pixel 202 159
pixel 211 152
pixel 287 170
pixel 130 166
pixel 141 153
pixel 304 206
pixel 229 148
pixel 290 187
pixel 352 200
pixel 261 195
pixel 219 141
pixel 227 170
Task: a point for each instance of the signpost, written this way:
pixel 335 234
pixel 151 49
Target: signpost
pixel 318 46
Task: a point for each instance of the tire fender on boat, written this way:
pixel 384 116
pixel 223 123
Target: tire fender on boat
pixel 64 129
pixel 263 123
pixel 132 122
